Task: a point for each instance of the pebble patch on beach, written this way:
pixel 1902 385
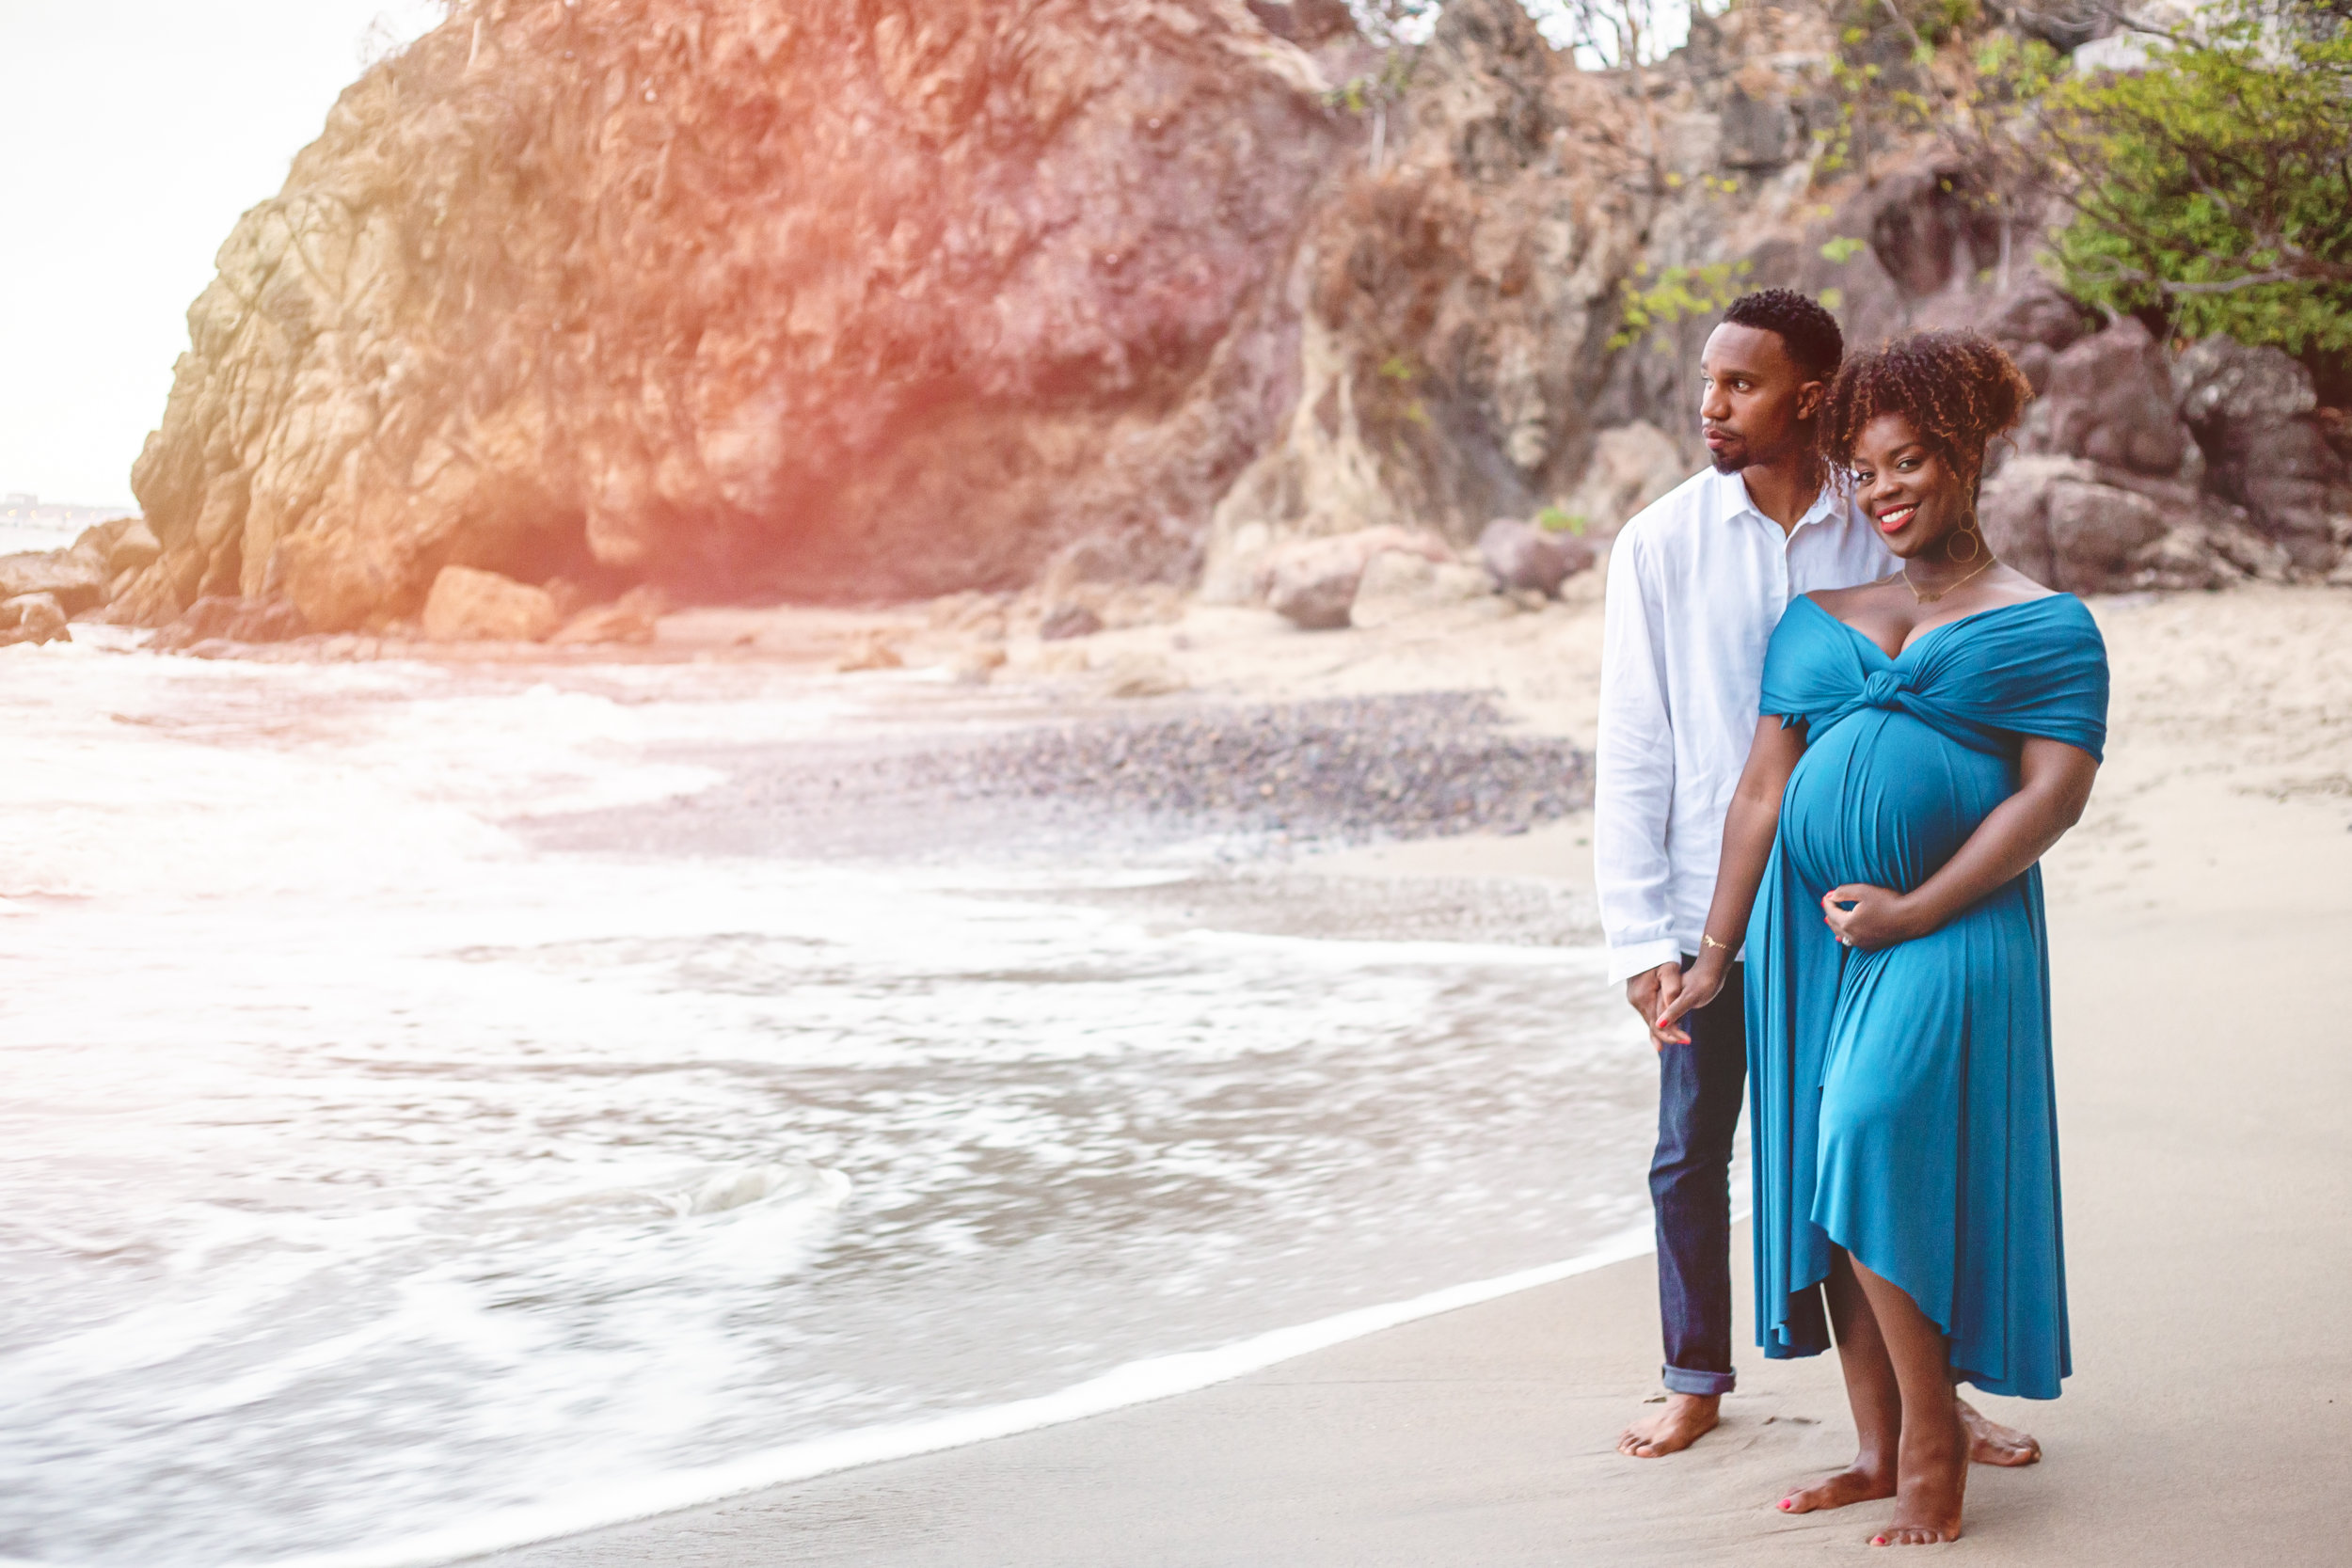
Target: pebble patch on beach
pixel 1337 769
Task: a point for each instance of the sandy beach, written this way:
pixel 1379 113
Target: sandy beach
pixel 2202 915
pixel 811 782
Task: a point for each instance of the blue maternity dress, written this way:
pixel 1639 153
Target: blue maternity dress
pixel 1900 1101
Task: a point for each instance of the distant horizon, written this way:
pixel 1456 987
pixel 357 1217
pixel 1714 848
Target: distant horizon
pixel 126 505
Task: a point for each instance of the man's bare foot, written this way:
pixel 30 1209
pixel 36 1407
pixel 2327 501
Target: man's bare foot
pixel 1686 1419
pixel 1932 1480
pixel 1858 1484
pixel 1991 1442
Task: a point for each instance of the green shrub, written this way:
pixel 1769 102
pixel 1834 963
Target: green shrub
pixel 2216 184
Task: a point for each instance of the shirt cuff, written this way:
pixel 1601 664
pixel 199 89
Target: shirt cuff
pixel 1642 957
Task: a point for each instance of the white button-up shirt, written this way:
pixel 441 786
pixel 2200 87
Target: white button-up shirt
pixel 1697 581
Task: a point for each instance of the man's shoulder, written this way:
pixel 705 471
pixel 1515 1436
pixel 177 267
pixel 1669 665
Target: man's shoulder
pixel 1845 549
pixel 1668 519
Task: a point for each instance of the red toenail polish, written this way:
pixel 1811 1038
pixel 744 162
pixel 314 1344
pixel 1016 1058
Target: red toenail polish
pixel 1783 1502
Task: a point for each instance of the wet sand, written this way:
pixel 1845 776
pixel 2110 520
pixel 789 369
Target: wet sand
pixel 2202 929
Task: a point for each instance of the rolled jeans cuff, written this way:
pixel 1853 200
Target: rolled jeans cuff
pixel 1681 1380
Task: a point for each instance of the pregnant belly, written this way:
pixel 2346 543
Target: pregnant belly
pixel 1884 799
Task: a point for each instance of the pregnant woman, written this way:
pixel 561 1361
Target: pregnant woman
pixel 1924 739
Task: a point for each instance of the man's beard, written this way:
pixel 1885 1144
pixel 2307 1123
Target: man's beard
pixel 1730 460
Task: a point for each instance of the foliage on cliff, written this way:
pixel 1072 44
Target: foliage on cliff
pixel 2216 184
pixel 2197 174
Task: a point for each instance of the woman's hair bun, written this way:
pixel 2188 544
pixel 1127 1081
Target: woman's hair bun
pixel 1959 389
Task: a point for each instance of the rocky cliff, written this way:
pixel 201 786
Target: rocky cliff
pixel 865 299
pixel 750 297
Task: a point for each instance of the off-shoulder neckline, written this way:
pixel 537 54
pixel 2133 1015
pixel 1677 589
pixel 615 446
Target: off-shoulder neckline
pixel 1924 638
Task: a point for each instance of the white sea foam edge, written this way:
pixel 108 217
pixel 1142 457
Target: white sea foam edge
pixel 1136 1383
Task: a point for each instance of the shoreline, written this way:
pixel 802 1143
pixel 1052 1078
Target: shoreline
pixel 2211 876
pixel 2190 910
pixel 1138 1383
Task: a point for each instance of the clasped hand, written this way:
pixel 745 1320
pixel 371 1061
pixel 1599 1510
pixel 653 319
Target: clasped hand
pixel 1880 917
pixel 1670 991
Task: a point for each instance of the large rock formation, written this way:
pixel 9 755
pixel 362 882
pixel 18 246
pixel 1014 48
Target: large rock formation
pixel 2255 416
pixel 806 297
pixel 865 298
pixel 1457 299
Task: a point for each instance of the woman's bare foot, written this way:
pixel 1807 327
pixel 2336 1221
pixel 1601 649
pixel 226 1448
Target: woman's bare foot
pixel 1991 1442
pixel 1932 1480
pixel 1686 1419
pixel 1858 1484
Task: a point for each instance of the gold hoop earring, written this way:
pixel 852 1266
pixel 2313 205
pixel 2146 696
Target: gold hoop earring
pixel 1975 544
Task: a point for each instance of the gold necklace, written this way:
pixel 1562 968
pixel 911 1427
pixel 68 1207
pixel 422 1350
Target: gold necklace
pixel 1918 598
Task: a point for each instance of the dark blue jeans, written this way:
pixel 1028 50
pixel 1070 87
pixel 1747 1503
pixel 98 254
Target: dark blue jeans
pixel 1700 1086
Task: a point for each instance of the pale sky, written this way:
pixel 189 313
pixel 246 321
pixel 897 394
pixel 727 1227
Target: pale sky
pixel 132 133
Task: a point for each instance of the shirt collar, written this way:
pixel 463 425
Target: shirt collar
pixel 1732 501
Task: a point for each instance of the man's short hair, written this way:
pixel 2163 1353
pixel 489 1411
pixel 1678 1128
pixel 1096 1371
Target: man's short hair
pixel 1807 332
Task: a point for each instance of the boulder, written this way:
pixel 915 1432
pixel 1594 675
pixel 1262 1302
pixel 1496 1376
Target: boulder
pixel 2053 519
pixel 1521 556
pixel 1315 589
pixel 2034 321
pixel 1141 675
pixel 2065 25
pixel 2255 416
pixel 632 618
pixel 120 545
pixel 976 666
pixel 2086 529
pixel 2110 400
pixel 226 618
pixel 33 618
pixel 1397 584
pixel 2095 533
pixel 75 578
pixel 468 605
pixel 271 621
pixel 133 547
pixel 2221 383
pixel 1313 582
pixel 1066 621
pixel 868 650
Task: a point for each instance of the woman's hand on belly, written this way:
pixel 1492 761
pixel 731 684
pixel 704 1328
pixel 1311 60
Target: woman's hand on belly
pixel 2054 785
pixel 1881 917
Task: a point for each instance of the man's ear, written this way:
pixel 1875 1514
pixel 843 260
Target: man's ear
pixel 1809 398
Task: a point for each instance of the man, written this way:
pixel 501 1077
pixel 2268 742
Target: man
pixel 1696 584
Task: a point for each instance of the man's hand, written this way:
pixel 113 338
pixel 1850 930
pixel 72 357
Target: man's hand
pixel 1700 985
pixel 1650 992
pixel 1881 917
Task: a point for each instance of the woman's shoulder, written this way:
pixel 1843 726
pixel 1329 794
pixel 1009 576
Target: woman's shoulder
pixel 2052 633
pixel 2006 585
pixel 2052 606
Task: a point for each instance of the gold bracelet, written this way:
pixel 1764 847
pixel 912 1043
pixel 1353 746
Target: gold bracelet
pixel 1706 942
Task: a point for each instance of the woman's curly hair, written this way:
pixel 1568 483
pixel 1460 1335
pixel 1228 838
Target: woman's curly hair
pixel 1957 388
